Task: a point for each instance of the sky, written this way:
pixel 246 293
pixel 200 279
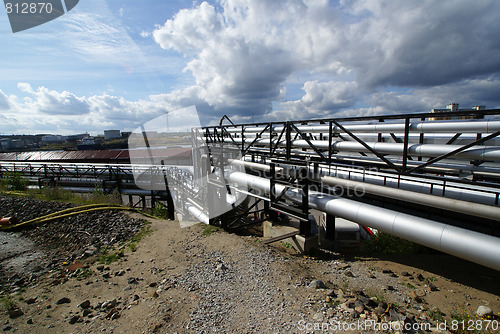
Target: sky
pixel 116 64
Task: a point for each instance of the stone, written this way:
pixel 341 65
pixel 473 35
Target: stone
pixel 420 277
pixel 100 267
pixel 349 274
pixel 387 271
pixel 416 297
pixel 152 284
pixel 317 284
pixel 155 328
pixel 120 273
pixel 109 304
pixel 330 293
pixel 484 311
pixel 15 313
pixel 433 287
pixel 74 319
pixel 85 304
pixel 394 315
pixel 111 314
pixel 132 280
pixel 30 301
pixel 87 312
pixel 64 300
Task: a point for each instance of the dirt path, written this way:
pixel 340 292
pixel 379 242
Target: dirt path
pixel 182 281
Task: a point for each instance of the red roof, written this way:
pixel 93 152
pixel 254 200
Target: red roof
pixel 93 155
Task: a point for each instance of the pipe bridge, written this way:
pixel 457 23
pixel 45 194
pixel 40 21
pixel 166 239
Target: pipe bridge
pixel 433 179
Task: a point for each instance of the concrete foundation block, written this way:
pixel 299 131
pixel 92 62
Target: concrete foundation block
pixel 300 243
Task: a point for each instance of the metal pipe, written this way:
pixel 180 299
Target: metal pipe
pixel 452 191
pixel 487 153
pixel 474 209
pixel 197 213
pixel 469 126
pixel 473 246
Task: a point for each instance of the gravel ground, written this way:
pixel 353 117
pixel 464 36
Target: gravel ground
pixel 60 240
pixel 180 280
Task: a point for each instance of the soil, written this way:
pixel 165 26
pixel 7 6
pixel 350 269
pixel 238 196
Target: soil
pixel 194 280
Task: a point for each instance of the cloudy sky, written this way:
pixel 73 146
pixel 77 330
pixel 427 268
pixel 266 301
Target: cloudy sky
pixel 115 64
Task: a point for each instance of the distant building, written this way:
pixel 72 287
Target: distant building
pixel 112 134
pixel 17 143
pixel 454 107
pixel 126 134
pixel 74 138
pixel 6 143
pixel 52 139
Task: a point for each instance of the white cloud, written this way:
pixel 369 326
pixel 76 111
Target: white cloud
pixel 43 110
pixel 242 54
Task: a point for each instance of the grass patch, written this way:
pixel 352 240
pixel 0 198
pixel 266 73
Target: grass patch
pixel 132 246
pixel 13 181
pixel 108 258
pixel 209 230
pixel 83 273
pixel 7 303
pixel 386 243
pixel 436 315
pixel 287 245
pixel 160 211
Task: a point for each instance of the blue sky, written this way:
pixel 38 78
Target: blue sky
pixel 119 63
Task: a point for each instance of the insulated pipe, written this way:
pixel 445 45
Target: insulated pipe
pixel 456 205
pixel 197 213
pixel 412 185
pixel 474 209
pixel 468 126
pixel 473 246
pixel 487 153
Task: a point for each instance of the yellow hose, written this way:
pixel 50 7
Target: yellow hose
pixel 74 211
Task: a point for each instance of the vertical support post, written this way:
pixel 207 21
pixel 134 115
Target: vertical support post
pixel 330 139
pixel 421 139
pixel 288 140
pixel 305 226
pixel 153 199
pixel 330 227
pixel 405 144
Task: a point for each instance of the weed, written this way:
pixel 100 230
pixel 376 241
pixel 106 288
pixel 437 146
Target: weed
pixel 7 303
pixel 409 285
pixel 287 245
pixel 83 273
pixel 209 230
pixel 132 246
pixel 110 258
pixel 14 181
pixel 436 315
pixel 141 234
pixel 386 243
pixel 159 210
